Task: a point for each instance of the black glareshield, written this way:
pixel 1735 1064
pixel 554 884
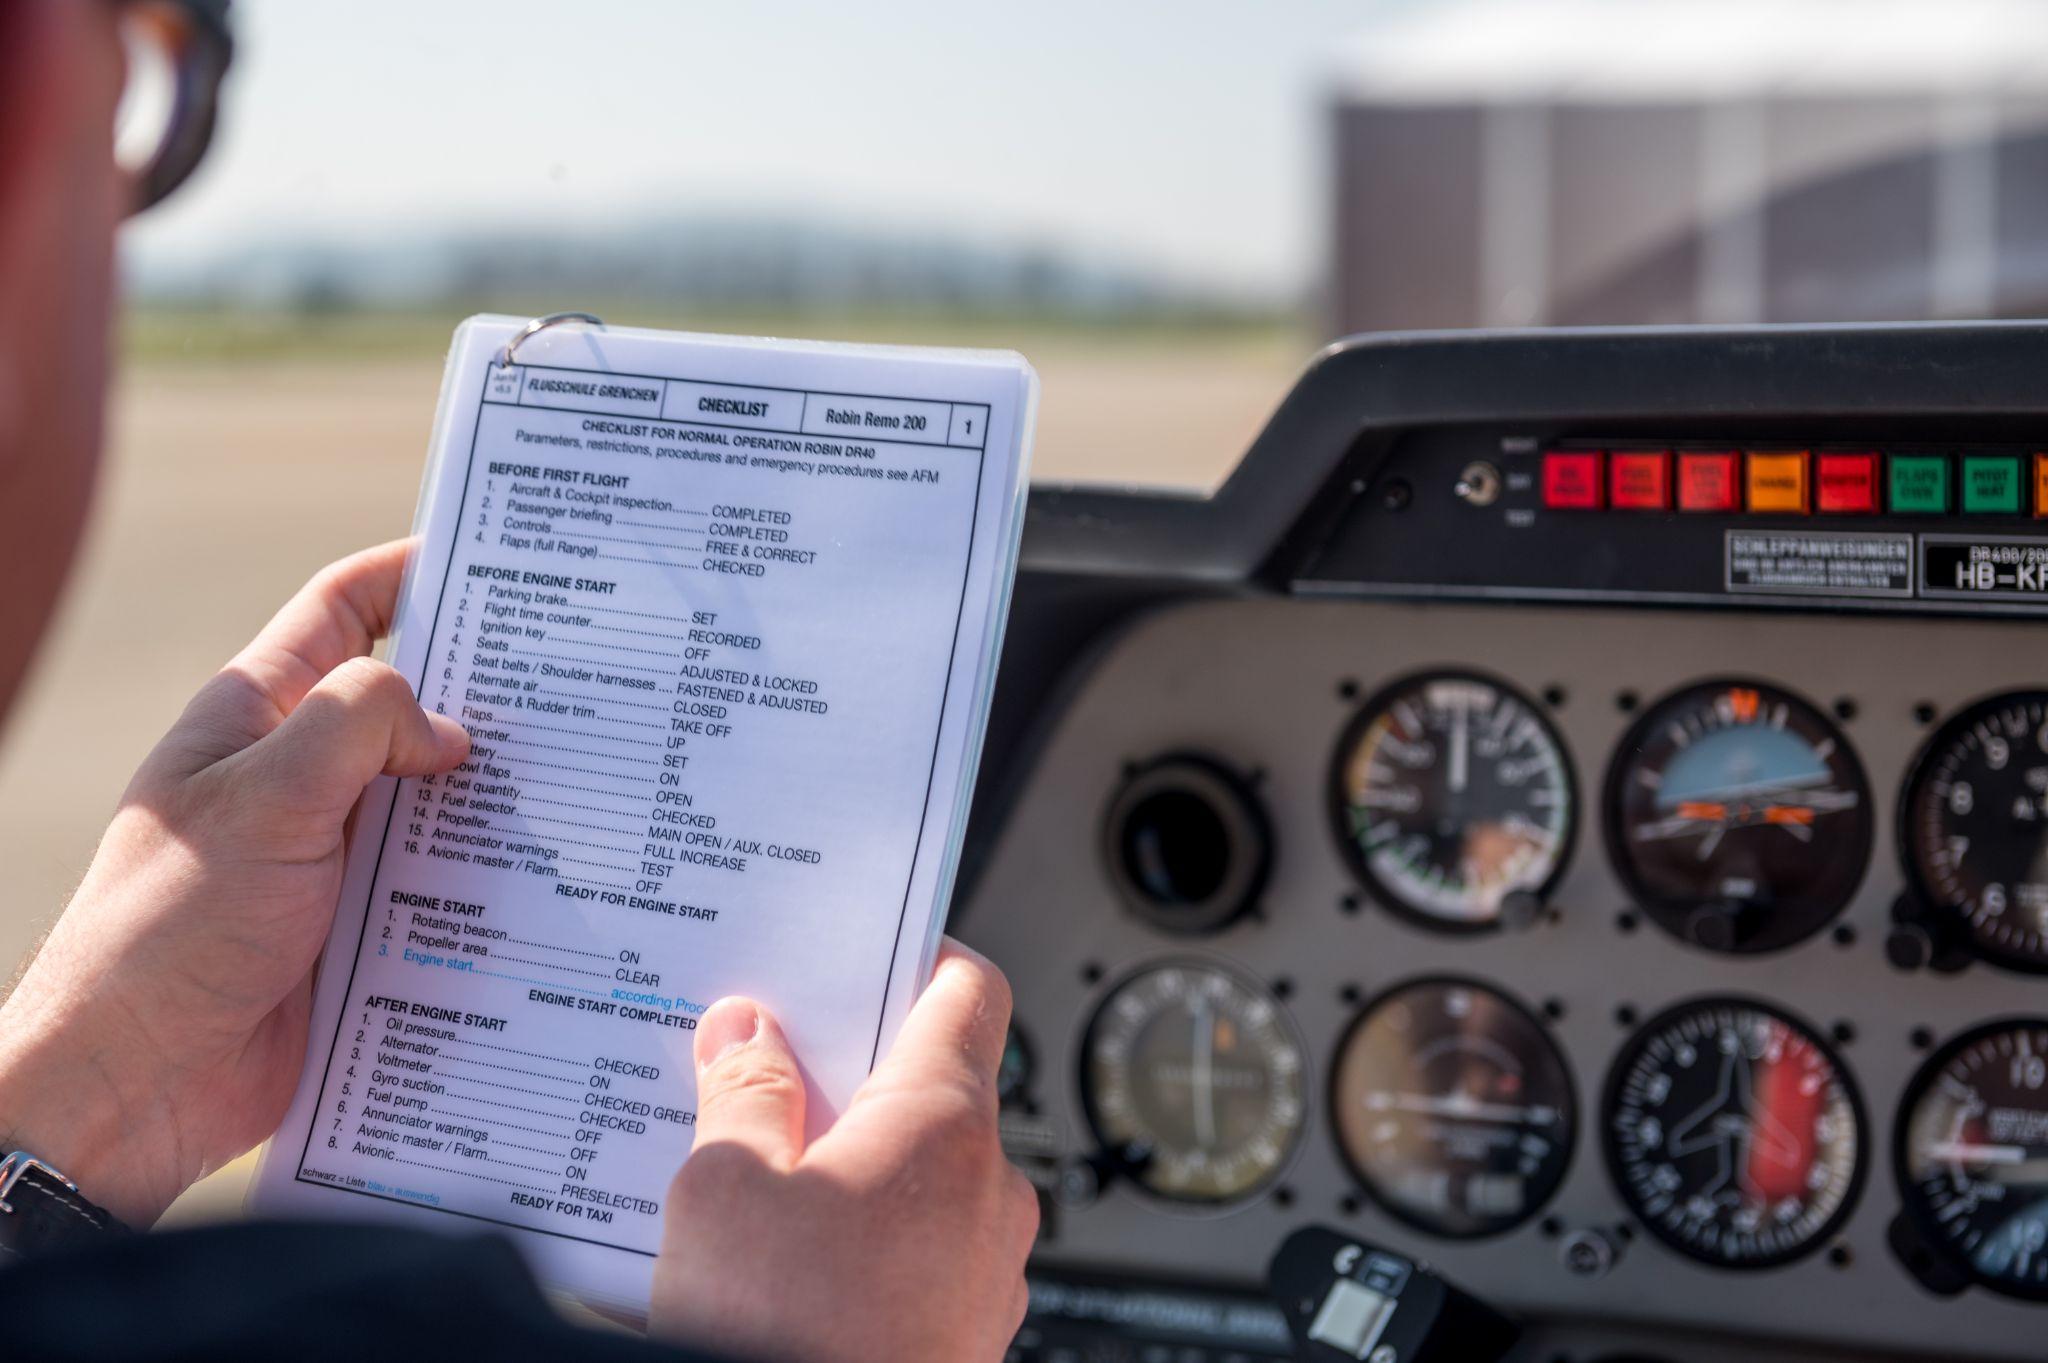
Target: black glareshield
pixel 1350 1300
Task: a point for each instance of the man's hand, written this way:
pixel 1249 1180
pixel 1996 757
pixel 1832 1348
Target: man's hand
pixel 160 1030
pixel 901 1233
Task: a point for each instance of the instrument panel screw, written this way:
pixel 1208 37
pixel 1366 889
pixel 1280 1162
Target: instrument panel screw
pixel 1395 494
pixel 1384 1354
pixel 1924 713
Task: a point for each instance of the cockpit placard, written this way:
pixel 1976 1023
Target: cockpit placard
pixel 1819 563
pixel 1977 567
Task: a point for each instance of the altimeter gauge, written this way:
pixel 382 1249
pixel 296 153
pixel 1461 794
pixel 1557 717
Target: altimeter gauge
pixel 1453 801
pixel 1973 829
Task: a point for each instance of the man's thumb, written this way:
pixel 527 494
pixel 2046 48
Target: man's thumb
pixel 750 1091
pixel 360 721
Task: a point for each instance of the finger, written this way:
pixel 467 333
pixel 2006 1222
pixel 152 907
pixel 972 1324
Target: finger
pixel 340 614
pixel 960 1021
pixel 360 721
pixel 750 1092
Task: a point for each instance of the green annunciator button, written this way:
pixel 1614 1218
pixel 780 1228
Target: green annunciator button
pixel 1919 483
pixel 1991 484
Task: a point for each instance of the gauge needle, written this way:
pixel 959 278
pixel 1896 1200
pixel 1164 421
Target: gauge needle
pixel 1461 747
pixel 1455 1105
pixel 1205 1076
pixel 1967 1152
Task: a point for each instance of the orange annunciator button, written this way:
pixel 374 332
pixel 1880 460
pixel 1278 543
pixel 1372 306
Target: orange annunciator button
pixel 1778 482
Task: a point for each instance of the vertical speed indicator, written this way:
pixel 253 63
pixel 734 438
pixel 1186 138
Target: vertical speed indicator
pixel 1453 800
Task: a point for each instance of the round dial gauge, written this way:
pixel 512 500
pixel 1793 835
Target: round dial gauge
pixel 1973 826
pixel 1452 795
pixel 1738 816
pixel 1194 1080
pixel 1453 1107
pixel 1733 1133
pixel 1971 1151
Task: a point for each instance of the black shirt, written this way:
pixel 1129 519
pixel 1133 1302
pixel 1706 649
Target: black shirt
pixel 298 1292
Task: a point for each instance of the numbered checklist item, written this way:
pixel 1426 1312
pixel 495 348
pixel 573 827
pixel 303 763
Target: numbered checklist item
pixel 721 617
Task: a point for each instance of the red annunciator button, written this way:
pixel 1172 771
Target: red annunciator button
pixel 1707 481
pixel 1845 484
pixel 1639 480
pixel 1571 480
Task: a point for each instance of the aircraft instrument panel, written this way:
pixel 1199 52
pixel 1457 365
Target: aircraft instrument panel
pixel 1572 808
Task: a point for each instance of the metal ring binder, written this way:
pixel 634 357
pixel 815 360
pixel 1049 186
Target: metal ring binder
pixel 538 325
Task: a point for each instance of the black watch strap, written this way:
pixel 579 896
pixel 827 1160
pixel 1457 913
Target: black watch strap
pixel 41 1210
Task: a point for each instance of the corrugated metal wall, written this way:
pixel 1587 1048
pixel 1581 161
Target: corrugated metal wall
pixel 1862 209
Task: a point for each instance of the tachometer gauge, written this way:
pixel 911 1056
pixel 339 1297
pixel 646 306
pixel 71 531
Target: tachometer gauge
pixel 1194 1083
pixel 1738 816
pixel 1452 795
pixel 1971 1151
pixel 1453 1107
pixel 1973 828
pixel 1733 1133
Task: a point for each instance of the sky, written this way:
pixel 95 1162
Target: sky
pixel 1188 137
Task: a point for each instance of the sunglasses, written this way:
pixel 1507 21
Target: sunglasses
pixel 177 52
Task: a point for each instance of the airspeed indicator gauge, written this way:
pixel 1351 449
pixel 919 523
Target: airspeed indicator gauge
pixel 1453 801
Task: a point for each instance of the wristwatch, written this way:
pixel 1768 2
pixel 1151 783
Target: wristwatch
pixel 41 1210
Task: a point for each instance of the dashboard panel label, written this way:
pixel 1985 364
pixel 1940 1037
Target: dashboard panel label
pixel 1819 563
pixel 1977 567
